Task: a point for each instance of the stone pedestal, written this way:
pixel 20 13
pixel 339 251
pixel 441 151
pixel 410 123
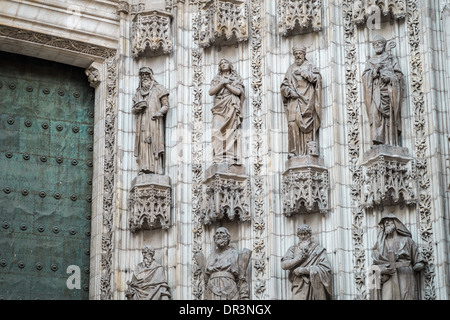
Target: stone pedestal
pixel 227 193
pixel 149 202
pixel 305 186
pixel 389 177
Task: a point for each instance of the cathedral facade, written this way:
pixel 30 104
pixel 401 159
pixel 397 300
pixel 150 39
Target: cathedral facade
pixel 128 124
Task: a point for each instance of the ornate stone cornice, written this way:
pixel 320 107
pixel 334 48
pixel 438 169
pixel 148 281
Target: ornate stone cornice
pixel 223 23
pixel 295 16
pixel 151 30
pixel 57 42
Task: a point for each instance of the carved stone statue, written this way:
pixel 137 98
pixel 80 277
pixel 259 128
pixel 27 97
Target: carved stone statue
pixel 383 93
pixel 149 280
pixel 150 104
pixel 301 95
pixel 396 261
pixel 309 269
pixel 229 91
pixel 225 269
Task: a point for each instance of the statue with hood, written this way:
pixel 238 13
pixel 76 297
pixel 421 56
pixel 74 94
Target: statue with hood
pixel 396 262
pixel 150 104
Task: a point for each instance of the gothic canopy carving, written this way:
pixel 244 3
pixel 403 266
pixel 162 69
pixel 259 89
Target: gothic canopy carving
pixel 295 16
pixel 151 31
pixel 223 22
pixel 376 9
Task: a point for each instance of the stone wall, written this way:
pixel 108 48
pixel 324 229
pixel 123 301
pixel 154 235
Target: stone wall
pixel 183 46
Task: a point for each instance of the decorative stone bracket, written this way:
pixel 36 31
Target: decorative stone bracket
pixel 305 186
pixel 389 177
pixel 223 23
pixel 295 16
pixel 151 32
pixel 376 9
pixel 149 202
pixel 227 194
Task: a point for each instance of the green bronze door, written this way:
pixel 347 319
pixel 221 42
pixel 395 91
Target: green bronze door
pixel 46 144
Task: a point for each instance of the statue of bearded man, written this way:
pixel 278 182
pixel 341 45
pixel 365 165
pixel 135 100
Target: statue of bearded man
pixel 309 269
pixel 383 91
pixel 150 104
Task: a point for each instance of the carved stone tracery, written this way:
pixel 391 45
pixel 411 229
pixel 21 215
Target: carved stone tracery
pixel 150 203
pixel 389 179
pixel 364 9
pixel 299 14
pixel 227 194
pixel 151 30
pixel 223 22
pixel 305 190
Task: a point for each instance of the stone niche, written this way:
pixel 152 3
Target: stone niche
pixel 223 23
pixel 151 34
pixel 299 16
pixel 149 202
pixel 389 177
pixel 305 186
pixel 227 193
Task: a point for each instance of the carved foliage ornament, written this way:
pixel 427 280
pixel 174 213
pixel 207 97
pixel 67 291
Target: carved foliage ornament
pixel 302 14
pixel 151 30
pixel 364 9
pixel 223 22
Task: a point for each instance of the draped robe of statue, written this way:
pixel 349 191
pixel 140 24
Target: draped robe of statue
pixel 403 284
pixel 383 100
pixel 148 283
pixel 222 270
pixel 316 286
pixel 226 123
pixel 149 142
pixel 303 113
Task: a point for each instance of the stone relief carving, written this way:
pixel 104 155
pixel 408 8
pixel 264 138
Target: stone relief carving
pixel 416 67
pixel 354 148
pixel 383 93
pixel 396 260
pixel 228 90
pixel 223 22
pixel 150 104
pixel 301 92
pixel 151 30
pixel 366 9
pixel 309 268
pixel 109 180
pixel 225 269
pixel 93 76
pixel 299 14
pixel 149 281
pixel 259 149
pixel 57 42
